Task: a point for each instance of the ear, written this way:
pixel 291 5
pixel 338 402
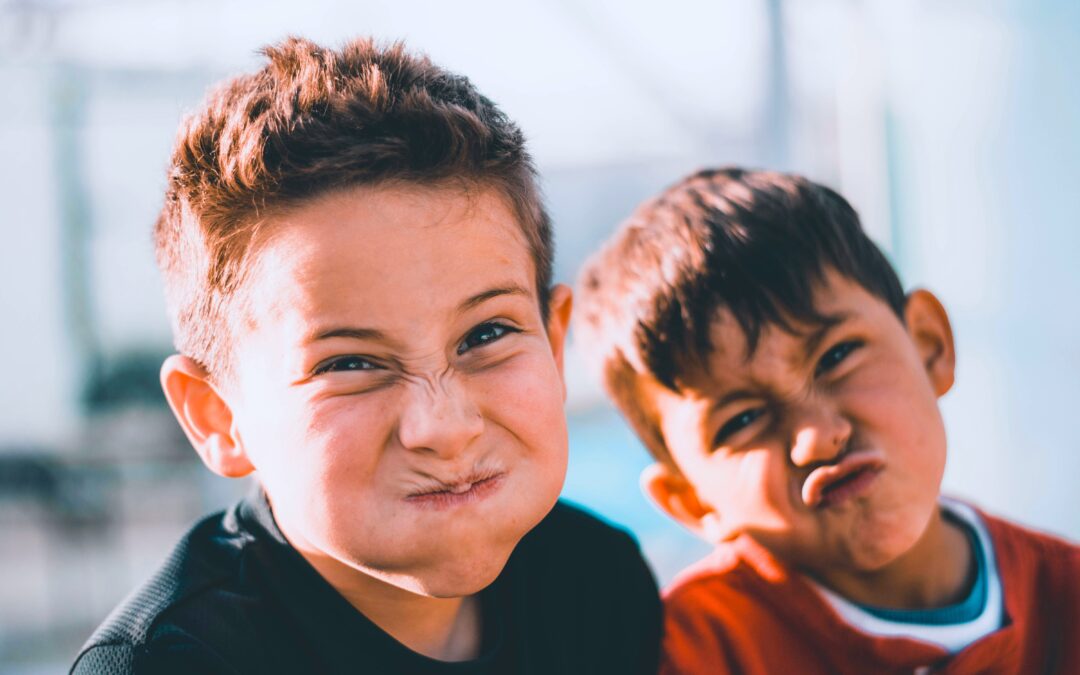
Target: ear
pixel 675 496
pixel 929 328
pixel 204 415
pixel 560 304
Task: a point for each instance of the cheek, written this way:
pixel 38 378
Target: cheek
pixel 344 437
pixel 750 487
pixel 898 412
pixel 338 488
pixel 925 451
pixel 766 481
pixel 322 456
pixel 525 397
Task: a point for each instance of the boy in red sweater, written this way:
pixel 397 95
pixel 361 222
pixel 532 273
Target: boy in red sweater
pixel 765 352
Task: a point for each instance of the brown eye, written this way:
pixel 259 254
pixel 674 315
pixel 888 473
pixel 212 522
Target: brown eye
pixel 736 424
pixel 834 356
pixel 344 364
pixel 483 334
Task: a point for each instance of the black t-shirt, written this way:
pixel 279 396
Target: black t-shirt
pixel 235 597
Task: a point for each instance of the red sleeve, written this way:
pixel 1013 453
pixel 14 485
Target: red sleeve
pixel 1040 576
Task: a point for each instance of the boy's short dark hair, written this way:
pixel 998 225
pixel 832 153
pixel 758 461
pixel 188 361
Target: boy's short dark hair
pixel 313 120
pixel 753 242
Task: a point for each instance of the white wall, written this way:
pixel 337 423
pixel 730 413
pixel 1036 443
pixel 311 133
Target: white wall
pixel 986 145
pixel 37 379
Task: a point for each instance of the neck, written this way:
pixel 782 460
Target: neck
pixel 935 572
pixel 447 629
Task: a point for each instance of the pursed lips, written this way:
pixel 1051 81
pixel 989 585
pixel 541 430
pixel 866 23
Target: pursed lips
pixel 444 493
pixel 836 483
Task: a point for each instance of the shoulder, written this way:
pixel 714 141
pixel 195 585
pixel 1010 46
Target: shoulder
pixel 1021 547
pixel 707 607
pixel 1040 578
pixel 1021 552
pixel 728 612
pixel 203 561
pixel 728 608
pixel 97 659
pixel 172 654
pixel 573 525
pixel 574 543
pixel 583 590
pixel 716 589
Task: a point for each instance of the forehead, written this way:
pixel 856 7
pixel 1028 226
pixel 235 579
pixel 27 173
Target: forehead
pixel 386 255
pixel 840 301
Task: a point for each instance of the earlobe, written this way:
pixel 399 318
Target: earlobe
pixel 204 415
pixel 675 496
pixel 929 328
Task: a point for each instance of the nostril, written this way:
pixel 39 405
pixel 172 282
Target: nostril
pixel 815 445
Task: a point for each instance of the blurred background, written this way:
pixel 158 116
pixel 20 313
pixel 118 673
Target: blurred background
pixel 952 125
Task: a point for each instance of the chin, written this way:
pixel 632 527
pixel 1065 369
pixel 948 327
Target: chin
pixel 463 578
pixel 876 557
pixel 887 542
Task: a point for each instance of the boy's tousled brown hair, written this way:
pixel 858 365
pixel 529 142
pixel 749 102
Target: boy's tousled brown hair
pixel 754 242
pixel 311 121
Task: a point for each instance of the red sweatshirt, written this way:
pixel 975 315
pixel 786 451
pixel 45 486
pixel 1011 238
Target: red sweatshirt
pixel 742 611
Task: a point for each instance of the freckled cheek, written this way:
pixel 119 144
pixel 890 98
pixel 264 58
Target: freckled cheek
pixel 902 417
pixel 522 378
pixel 879 397
pixel 523 396
pixel 925 448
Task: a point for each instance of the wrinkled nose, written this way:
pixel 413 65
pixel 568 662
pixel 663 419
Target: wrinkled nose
pixel 819 435
pixel 439 417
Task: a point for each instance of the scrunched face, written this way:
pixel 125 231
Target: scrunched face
pixel 826 445
pixel 397 388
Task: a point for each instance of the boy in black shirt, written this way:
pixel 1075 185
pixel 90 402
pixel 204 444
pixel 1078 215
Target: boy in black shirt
pixel 358 270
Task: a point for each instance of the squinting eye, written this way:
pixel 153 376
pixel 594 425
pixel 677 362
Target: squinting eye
pixel 344 364
pixel 834 356
pixel 737 423
pixel 483 334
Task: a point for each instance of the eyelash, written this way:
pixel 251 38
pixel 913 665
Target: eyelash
pixel 835 355
pixel 829 360
pixel 501 329
pixel 349 363
pixel 736 424
pixel 330 366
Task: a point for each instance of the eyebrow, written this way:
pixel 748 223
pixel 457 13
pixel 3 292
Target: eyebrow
pixel 361 333
pixel 828 324
pixel 811 342
pixel 481 298
pixel 816 336
pixel 731 397
pixel 348 332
